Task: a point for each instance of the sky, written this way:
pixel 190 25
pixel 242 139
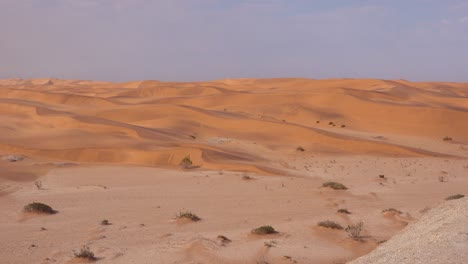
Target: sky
pixel 195 40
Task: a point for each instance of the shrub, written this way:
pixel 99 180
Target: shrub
pixel 247 177
pixel 343 211
pixel 330 224
pixel 38 208
pixel 85 253
pixel 269 244
pixel 264 230
pixel 454 197
pixel 186 162
pixel 335 185
pixel 105 222
pixel 38 185
pixel 331 123
pixel 354 231
pixel 447 138
pixel 391 211
pixel 301 149
pixel 343 126
pixel 223 239
pixel 318 121
pixel 188 215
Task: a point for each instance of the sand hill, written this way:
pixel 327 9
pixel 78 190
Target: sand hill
pixel 260 151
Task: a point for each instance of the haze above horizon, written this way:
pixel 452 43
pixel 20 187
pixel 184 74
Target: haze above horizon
pixel 179 40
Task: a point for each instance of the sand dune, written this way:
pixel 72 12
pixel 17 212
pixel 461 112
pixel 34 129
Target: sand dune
pixel 113 150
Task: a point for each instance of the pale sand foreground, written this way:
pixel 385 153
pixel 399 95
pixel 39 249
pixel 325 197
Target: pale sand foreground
pixel 111 151
pixel 441 236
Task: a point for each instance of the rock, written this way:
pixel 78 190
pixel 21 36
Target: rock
pixel 440 236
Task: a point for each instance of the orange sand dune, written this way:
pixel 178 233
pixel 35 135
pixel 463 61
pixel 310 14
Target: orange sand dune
pixel 260 150
pixel 52 118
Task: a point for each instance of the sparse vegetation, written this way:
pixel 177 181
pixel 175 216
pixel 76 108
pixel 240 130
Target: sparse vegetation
pixel 85 253
pixel 223 239
pixel 318 121
pixel 186 162
pixel 188 215
pixel 38 185
pixel 391 211
pixel 343 126
pixel 331 123
pixel 335 186
pixel 381 176
pixel 447 138
pixel 38 208
pixel 105 222
pixel 330 224
pixel 247 177
pixel 343 211
pixel 264 230
pixel 454 197
pixel 354 231
pixel 442 179
pixel 269 244
pixel 301 149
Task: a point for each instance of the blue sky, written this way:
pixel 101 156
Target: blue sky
pixel 191 40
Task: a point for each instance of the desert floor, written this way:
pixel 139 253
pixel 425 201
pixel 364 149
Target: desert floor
pixel 112 151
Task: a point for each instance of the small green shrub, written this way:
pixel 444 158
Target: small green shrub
pixel 343 211
pixel 188 215
pixel 454 197
pixel 334 185
pixel 330 224
pixel 38 208
pixel 264 230
pixel 85 253
pixel 186 162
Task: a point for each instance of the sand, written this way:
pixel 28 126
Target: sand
pixel 112 151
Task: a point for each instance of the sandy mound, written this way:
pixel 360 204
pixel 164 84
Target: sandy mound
pixel 440 236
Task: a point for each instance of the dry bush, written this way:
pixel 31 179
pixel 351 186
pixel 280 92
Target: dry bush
pixel 335 185
pixel 330 224
pixel 354 231
pixel 264 230
pixel 85 253
pixel 454 197
pixel 186 162
pixel 38 208
pixel 188 215
pixel 343 211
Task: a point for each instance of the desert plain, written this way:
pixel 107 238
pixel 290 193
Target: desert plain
pixel 260 151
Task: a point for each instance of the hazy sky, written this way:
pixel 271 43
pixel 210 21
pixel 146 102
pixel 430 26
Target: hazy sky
pixel 187 40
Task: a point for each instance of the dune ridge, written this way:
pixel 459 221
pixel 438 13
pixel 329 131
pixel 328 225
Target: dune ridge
pixel 152 118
